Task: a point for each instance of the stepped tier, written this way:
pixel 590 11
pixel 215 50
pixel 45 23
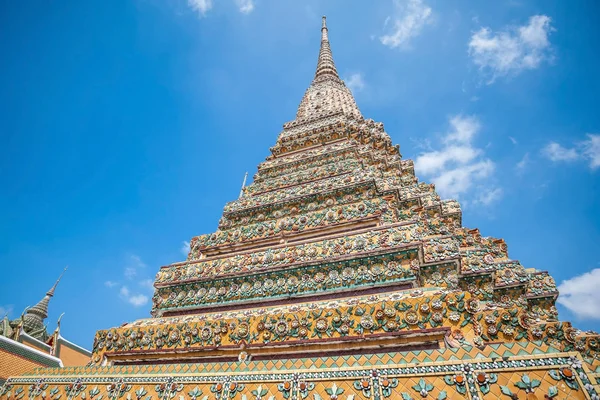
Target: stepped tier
pixel 338 275
pixel 425 318
pixel 527 369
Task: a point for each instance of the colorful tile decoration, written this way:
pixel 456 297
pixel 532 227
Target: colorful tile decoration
pixel 338 275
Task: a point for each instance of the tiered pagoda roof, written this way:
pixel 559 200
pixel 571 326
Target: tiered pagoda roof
pixel 25 343
pixel 32 322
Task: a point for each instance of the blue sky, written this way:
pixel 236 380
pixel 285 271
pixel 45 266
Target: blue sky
pixel 126 126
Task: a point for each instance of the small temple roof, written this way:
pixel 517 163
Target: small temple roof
pixel 33 321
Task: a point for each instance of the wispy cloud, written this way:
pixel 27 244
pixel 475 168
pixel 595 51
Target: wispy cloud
pixel 245 6
pixel 540 189
pixel 513 140
pixel 147 283
pixel 458 165
pixel 512 50
pixel 591 150
pixel 581 295
pixel 203 6
pixel 521 165
pixel 588 150
pixel 137 300
pixel 134 269
pixel 556 152
pixel 355 82
pixel 185 247
pixel 130 272
pixel 408 21
pixel 134 266
pixel 200 6
pixel 489 196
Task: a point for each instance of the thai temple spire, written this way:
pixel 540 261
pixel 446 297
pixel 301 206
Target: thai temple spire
pixel 338 275
pixel 25 342
pixel 325 66
pixel 33 322
pixel 327 96
pixel 53 288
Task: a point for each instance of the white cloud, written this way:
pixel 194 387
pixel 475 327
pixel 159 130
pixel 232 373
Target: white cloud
pixel 355 82
pixel 457 181
pixel 135 264
pixel 137 261
pixel 490 196
pixel 387 19
pixel 434 161
pixel 556 152
pixel 464 128
pixel 588 150
pixel 410 18
pixel 136 300
pixel 130 272
pixel 245 6
pixel 581 295
pixel 185 248
pixel 124 292
pixel 512 50
pixel 6 310
pixel 147 284
pixel 201 6
pixel 591 150
pixel 523 163
pixel 458 166
pixel 513 140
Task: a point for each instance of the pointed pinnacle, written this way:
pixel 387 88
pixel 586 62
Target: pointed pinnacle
pixel 243 185
pixel 325 66
pixel 58 321
pixel 51 291
pixel 324 30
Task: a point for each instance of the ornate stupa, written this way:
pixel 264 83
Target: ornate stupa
pixel 338 275
pixel 25 343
